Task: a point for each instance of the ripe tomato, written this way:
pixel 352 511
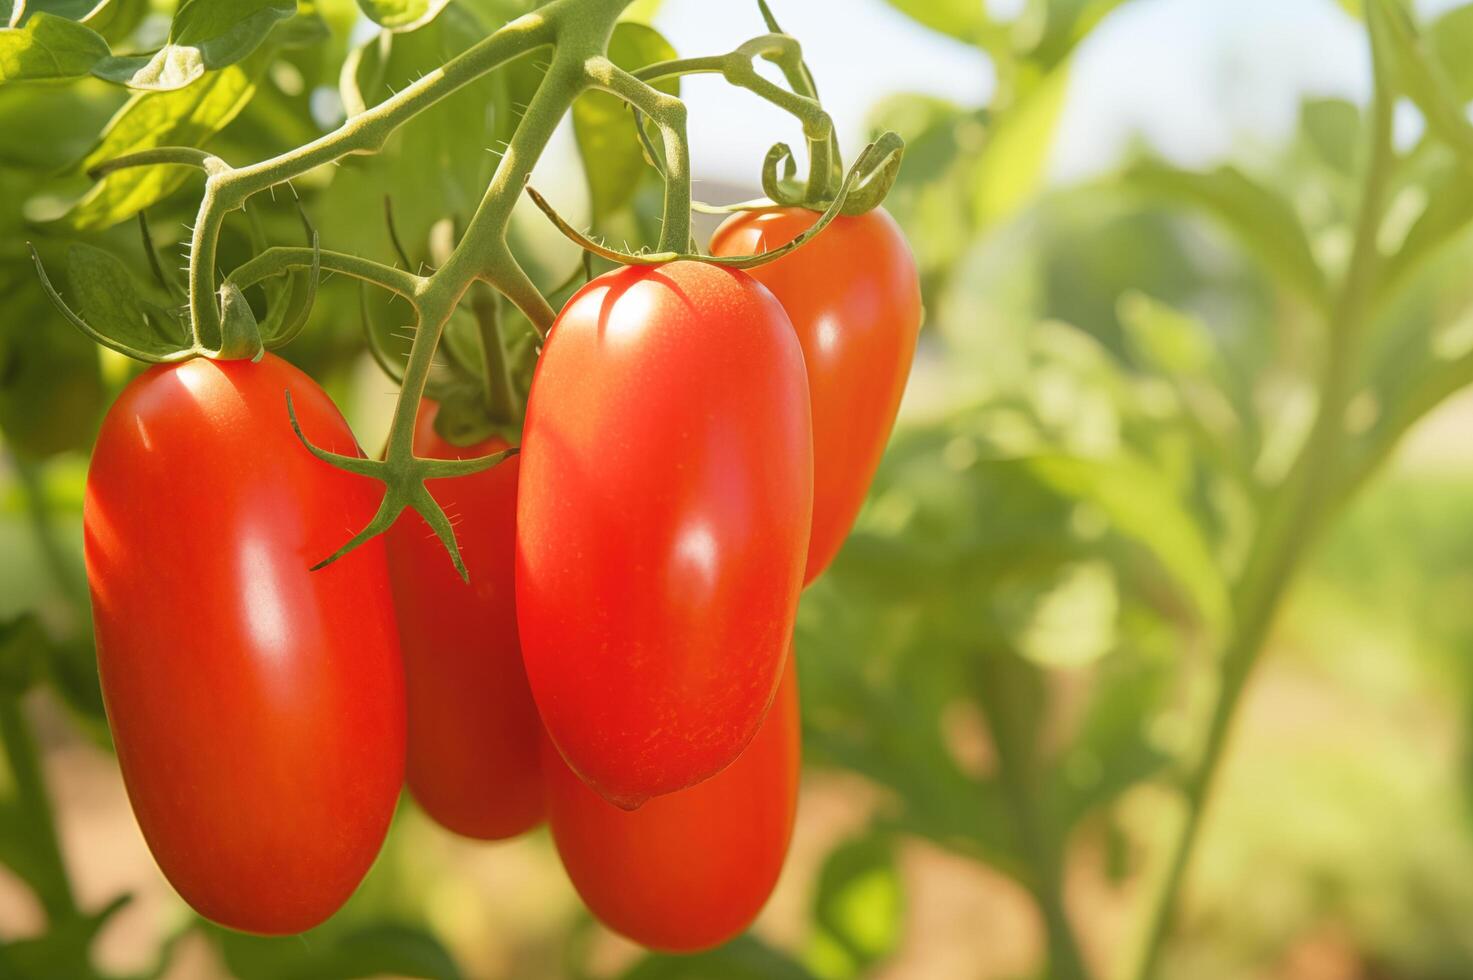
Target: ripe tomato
pixel 474 735
pixel 855 301
pixel 692 869
pixel 662 522
pixel 257 707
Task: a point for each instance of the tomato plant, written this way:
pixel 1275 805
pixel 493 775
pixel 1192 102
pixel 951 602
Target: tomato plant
pixel 473 729
pixel 691 869
pixel 855 302
pixel 662 521
pixel 618 600
pixel 257 707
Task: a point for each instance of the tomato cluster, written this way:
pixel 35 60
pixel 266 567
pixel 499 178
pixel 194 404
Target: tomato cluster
pixel 698 441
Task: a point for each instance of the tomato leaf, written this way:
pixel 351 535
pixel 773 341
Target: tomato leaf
pixel 1257 215
pixel 185 117
pixel 1451 38
pixel 49 49
pixel 371 951
pixel 402 15
pixel 45 129
pixel 1448 212
pixel 859 908
pixel 1180 349
pixel 1333 129
pixel 51 392
pixel 742 959
pixel 964 20
pixel 1013 161
pixel 113 301
pixel 22 649
pixel 604 125
pixel 205 36
pixel 1422 77
pixel 1113 749
pixel 21 10
pixel 1144 509
pixel 437 164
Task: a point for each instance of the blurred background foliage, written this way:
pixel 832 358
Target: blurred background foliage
pixel 1163 420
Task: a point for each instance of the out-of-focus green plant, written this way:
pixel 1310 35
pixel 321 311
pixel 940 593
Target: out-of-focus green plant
pixel 1146 400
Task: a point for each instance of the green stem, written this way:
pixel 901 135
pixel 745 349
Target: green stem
pixel 1293 516
pixel 364 133
pixel 737 68
pixel 281 258
pixel 501 398
pixel 668 113
pixel 24 760
pixel 21 752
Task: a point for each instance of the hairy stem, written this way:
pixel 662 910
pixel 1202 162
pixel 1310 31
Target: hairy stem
pixel 364 133
pixel 279 259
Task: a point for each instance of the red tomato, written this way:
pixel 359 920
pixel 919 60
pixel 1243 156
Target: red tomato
pixel 474 735
pixel 662 522
pixel 855 301
pixel 692 869
pixel 257 707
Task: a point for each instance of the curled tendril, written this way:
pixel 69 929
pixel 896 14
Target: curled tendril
pixel 879 177
pixel 376 349
pixel 782 190
pixel 404 479
pixel 394 233
pixel 870 177
pixel 277 330
pixel 168 283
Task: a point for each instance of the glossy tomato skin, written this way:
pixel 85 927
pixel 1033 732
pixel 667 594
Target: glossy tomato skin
pixel 855 301
pixel 474 735
pixel 662 522
pixel 257 707
pixel 692 869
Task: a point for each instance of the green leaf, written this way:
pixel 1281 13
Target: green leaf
pixel 1113 750
pixel 1066 23
pixel 186 117
pixel 402 15
pixel 741 959
pixel 63 950
pixel 1333 129
pixel 1448 213
pixel 51 391
pixel 941 145
pixel 49 49
pixel 1142 507
pixel 44 129
pixel 437 165
pixel 859 908
pixel 205 36
pixel 79 10
pixel 1451 37
pixel 604 126
pixel 1421 76
pixel 1258 216
pixel 1014 160
pixel 23 647
pixel 115 303
pixel 642 11
pixel 965 20
pixel 375 950
pixel 1180 348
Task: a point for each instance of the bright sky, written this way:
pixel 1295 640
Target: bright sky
pixel 1193 77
